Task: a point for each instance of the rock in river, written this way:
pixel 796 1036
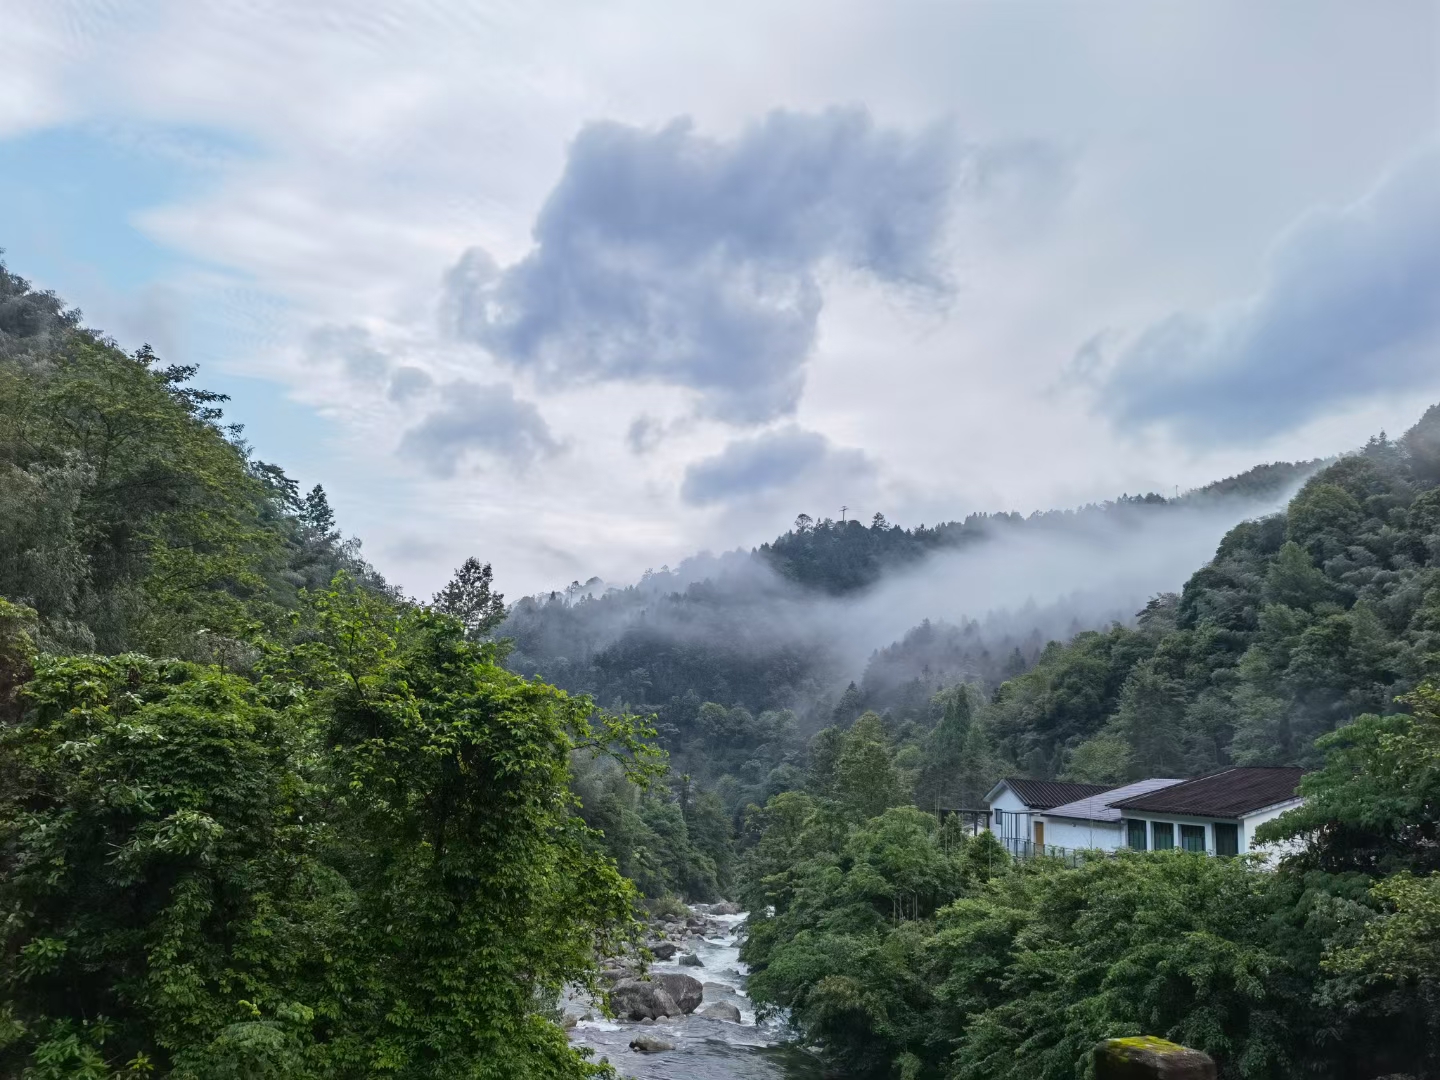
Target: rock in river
pixel 635 999
pixel 649 1044
pixel 664 950
pixel 721 1010
pixel 690 960
pixel 687 992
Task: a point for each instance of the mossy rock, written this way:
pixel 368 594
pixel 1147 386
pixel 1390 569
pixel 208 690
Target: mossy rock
pixel 1144 1057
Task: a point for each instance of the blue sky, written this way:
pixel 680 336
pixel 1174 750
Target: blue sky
pixel 70 197
pixel 582 288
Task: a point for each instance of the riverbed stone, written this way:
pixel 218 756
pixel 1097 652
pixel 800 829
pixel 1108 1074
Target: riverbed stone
pixel 636 999
pixel 721 1010
pixel 690 959
pixel 1145 1057
pixel 650 1044
pixel 664 950
pixel 687 992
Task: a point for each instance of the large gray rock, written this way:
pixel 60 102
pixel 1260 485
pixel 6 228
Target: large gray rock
pixel 725 907
pixel 687 992
pixel 635 999
pixel 721 1010
pixel 690 960
pixel 664 950
pixel 649 1044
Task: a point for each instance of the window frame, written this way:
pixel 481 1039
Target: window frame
pixel 1188 832
pixel 1134 827
pixel 1232 834
pixel 1165 829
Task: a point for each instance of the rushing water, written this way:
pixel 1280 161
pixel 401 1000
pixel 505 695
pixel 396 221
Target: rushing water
pixel 705 1049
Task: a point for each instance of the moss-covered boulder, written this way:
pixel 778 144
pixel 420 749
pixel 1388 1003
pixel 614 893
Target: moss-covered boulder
pixel 1145 1057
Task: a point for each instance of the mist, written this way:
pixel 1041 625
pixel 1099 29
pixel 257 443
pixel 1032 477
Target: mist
pixel 734 630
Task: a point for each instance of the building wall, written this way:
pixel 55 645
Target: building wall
pixel 1009 803
pixel 1082 835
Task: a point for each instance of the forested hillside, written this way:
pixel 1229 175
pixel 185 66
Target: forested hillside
pixel 130 518
pixel 259 815
pixel 902 946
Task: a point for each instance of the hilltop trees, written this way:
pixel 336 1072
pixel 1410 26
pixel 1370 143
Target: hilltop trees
pixel 129 517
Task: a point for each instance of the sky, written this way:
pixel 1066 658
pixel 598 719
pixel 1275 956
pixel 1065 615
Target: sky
pixel 585 288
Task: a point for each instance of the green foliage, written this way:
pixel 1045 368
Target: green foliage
pixel 900 945
pixel 866 782
pixel 470 597
pixel 366 862
pixel 129 519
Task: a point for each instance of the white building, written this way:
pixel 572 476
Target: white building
pixel 1218 813
pixel 1093 822
pixel 1017 810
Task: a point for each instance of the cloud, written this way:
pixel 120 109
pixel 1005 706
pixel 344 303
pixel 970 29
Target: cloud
pixel 665 256
pixel 409 382
pixel 644 434
pixel 488 420
pixel 352 349
pixel 768 463
pixel 1350 307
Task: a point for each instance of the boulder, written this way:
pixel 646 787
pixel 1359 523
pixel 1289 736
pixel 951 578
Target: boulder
pixel 725 907
pixel 687 992
pixel 690 960
pixel 721 1010
pixel 570 1021
pixel 649 1044
pixel 1145 1057
pixel 635 999
pixel 615 974
pixel 664 950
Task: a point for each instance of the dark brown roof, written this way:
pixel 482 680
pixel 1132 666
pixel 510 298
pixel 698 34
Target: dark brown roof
pixel 1043 794
pixel 1230 793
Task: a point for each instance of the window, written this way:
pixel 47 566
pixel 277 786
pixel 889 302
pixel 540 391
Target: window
pixel 1227 838
pixel 1164 833
pixel 1136 836
pixel 1192 837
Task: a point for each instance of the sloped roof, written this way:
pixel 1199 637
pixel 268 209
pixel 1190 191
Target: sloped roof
pixel 1043 794
pixel 1231 793
pixel 1101 807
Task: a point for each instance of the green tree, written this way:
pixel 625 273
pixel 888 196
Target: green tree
pixel 469 596
pixel 866 781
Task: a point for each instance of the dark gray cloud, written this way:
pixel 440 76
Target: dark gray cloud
pixel 1350 308
pixel 662 255
pixel 769 462
pixel 488 420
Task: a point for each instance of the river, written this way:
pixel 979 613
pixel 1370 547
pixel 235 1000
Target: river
pixel 705 1049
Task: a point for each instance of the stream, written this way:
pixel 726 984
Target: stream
pixel 705 1049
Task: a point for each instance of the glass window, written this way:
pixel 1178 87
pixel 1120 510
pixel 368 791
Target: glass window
pixel 1164 834
pixel 1227 838
pixel 1192 837
pixel 1136 836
